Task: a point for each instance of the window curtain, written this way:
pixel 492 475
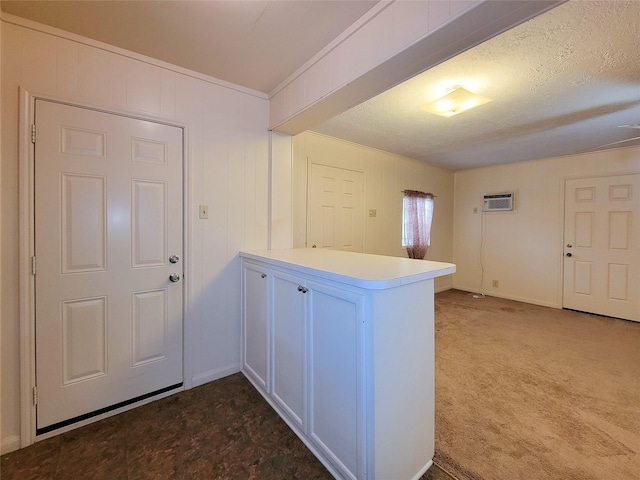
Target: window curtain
pixel 417 217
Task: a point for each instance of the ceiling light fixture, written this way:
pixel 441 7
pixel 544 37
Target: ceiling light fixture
pixel 457 100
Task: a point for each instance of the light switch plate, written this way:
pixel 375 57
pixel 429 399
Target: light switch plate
pixel 204 212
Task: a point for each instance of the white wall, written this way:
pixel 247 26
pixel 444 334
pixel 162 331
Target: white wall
pixel 386 175
pixel 391 43
pixel 280 220
pixel 392 26
pixel 227 155
pixel 523 250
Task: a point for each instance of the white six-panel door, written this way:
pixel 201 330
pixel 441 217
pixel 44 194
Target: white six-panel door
pixel 108 215
pixel 602 246
pixel 336 208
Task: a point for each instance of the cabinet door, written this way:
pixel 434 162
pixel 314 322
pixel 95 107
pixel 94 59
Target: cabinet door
pixel 336 423
pixel 255 309
pixel 288 345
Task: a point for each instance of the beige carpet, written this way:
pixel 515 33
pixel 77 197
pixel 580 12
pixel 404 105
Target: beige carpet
pixel 528 392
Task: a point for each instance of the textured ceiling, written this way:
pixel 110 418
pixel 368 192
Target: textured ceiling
pixel 256 44
pixel 561 84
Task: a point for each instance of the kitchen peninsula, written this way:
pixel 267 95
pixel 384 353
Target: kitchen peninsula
pixel 341 345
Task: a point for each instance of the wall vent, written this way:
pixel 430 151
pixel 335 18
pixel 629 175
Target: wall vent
pixel 497 202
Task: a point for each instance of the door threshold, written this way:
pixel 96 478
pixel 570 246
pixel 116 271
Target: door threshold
pixel 102 411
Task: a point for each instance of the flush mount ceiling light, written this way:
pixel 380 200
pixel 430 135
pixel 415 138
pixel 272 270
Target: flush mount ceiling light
pixel 457 100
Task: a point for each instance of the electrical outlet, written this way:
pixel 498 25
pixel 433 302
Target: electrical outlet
pixel 373 212
pixel 495 284
pixel 204 211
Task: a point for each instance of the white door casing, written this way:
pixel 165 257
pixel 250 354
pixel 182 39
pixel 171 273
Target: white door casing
pixel 336 208
pixel 602 246
pixel 108 214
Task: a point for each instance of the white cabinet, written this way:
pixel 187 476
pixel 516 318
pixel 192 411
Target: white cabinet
pixel 288 337
pixel 335 376
pixel 255 310
pixel 345 355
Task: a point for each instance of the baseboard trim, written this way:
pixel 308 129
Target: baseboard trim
pixel 423 470
pixel 216 374
pixel 443 289
pixel 10 444
pixel 515 298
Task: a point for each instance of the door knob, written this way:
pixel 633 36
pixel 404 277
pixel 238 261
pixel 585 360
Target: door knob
pixel 174 277
pixel 568 254
pixel 174 259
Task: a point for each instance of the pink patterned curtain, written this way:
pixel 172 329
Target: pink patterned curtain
pixel 417 217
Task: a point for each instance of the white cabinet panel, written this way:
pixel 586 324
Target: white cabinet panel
pixel 335 375
pixel 288 340
pixel 344 348
pixel 254 315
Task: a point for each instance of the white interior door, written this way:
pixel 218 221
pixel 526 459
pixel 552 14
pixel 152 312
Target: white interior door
pixel 336 208
pixel 602 246
pixel 108 215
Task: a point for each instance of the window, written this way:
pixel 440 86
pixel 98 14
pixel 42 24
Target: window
pixel 417 214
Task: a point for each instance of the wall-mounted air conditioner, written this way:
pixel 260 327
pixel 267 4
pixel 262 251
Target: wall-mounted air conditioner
pixel 497 202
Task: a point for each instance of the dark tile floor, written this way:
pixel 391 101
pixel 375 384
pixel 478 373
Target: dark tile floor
pixel 221 430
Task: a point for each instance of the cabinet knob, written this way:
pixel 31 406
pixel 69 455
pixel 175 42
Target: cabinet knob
pixel 264 275
pixel 302 289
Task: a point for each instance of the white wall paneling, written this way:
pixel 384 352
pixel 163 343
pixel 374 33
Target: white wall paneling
pixel 282 202
pixel 523 250
pixel 226 151
pixel 386 175
pixel 388 45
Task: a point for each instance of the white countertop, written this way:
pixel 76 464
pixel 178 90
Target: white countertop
pixel 357 269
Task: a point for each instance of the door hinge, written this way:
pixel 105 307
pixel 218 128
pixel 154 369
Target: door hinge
pixel 35 395
pixel 33 265
pixel 33 133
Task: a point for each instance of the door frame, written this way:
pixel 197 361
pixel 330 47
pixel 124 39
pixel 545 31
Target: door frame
pixel 26 179
pixel 563 189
